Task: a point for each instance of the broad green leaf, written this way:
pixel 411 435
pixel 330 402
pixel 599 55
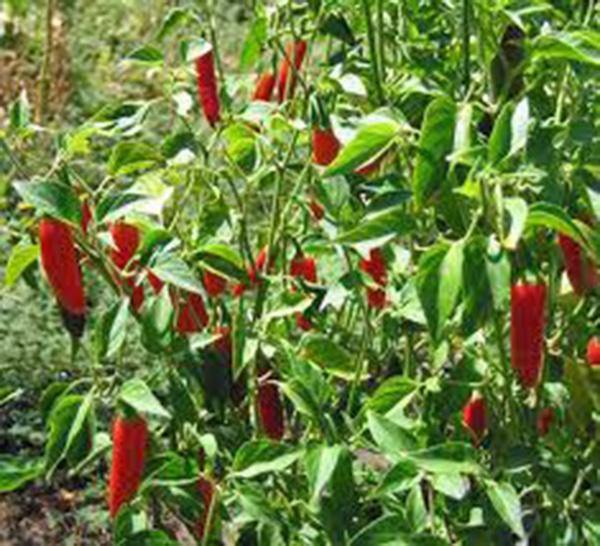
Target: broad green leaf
pixel 371 139
pixel 435 143
pixel 498 272
pixel 223 260
pixel 157 333
pixel 454 486
pixel 17 471
pixel 517 208
pixel 130 157
pixel 56 200
pixel 450 283
pixel 136 394
pixel 255 503
pixel 401 477
pixel 328 355
pixel 428 282
pixel 21 257
pixel 337 26
pixel 82 419
pixel 393 530
pixel 175 17
pixel 500 139
pixel 416 511
pixel 254 42
pixel 321 463
pixel 393 221
pixel 505 500
pixel 449 458
pixel 116 205
pixel 555 218
pixel 462 131
pixel 392 439
pixel 111 330
pixel 390 392
pixel 173 270
pixel 258 457
pixel 581 46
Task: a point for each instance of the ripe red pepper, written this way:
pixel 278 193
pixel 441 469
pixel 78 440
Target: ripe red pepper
pixel 207 86
pixel 375 266
pixel 304 267
pixel 264 87
pixel 259 266
pixel 475 418
pixel 581 272
pixel 126 239
pixel 192 316
pixel 317 210
pixel 527 332
pixel 207 492
pixel 544 421
pixel 303 322
pixel 156 283
pixel 130 437
pixel 270 408
pixel 59 261
pixel 376 298
pixel 214 284
pixel 325 146
pixel 593 352
pixel 294 53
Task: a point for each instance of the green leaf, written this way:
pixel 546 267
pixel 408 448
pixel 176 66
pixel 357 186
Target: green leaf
pixel 555 218
pixel 498 272
pixel 450 284
pixel 21 257
pixel 390 393
pixel 435 143
pixel 449 458
pixel 517 208
pixel 130 157
pixel 174 18
pixel 505 500
pixel 157 333
pixel 111 331
pixel 580 46
pixel 254 42
pixel 136 394
pixel 401 477
pixel 392 221
pixel 393 530
pixel 500 139
pixel 390 437
pixel 328 355
pixel 56 200
pixel 223 260
pixel 261 457
pixel 454 486
pixel 173 270
pixel 15 472
pixel 371 139
pixel 322 462
pixel 149 538
pixel 146 55
pixel 116 205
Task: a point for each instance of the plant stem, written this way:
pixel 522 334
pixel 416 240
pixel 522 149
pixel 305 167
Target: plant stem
pixel 466 34
pixel 44 84
pixel 381 39
pixel 373 51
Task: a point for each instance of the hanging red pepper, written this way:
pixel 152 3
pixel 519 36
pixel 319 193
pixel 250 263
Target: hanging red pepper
pixel 286 83
pixel 317 210
pixel 126 239
pixel 325 146
pixel 264 87
pixel 129 436
pixel 207 85
pixel 581 272
pixel 60 264
pixel 375 266
pixel 544 421
pixel 593 352
pixel 527 331
pixel 206 489
pixel 214 284
pixel 304 267
pixel 270 407
pixel 475 418
pixel 192 316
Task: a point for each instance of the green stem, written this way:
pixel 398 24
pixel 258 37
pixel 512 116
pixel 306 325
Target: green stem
pixel 373 51
pixel 466 34
pixel 381 39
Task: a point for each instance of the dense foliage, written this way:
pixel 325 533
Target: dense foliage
pixel 342 289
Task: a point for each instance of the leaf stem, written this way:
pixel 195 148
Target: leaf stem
pixel 373 51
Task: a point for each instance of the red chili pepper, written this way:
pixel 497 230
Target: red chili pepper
pixel 130 437
pixel 192 315
pixel 259 266
pixel 475 418
pixel 214 284
pixel 264 87
pixel 270 409
pixel 376 298
pixel 59 261
pixel 126 239
pixel 207 491
pixel 286 82
pixel 207 86
pixel 581 272
pixel 527 332
pixel 156 283
pixel 325 146
pixel 369 168
pixel 317 210
pixel 303 322
pixel 593 352
pixel 304 267
pixel 544 421
pixel 375 266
